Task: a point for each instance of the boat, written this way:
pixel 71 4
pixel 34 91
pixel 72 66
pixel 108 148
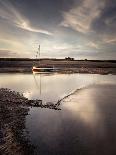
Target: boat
pixel 41 68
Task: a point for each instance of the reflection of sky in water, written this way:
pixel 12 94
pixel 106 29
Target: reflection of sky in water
pixel 87 121
pixel 82 105
pixel 53 87
pixel 86 124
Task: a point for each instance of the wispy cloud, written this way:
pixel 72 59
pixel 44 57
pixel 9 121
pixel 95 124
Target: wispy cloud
pixel 12 15
pixel 110 39
pixel 7 53
pixel 15 48
pixel 26 26
pixel 92 45
pixel 80 17
pixel 87 28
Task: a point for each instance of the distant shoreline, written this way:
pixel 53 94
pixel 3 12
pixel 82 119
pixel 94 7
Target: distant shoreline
pixel 57 59
pixel 24 65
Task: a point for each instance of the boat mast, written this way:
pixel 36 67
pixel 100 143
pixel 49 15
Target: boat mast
pixel 38 54
pixel 39 51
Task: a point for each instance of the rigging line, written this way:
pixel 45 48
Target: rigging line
pixel 36 83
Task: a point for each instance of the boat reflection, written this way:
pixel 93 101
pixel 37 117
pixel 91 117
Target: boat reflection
pixel 39 103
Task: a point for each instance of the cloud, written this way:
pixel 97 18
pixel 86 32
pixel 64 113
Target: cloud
pixel 80 17
pixel 15 48
pixel 109 39
pixel 26 26
pixel 9 13
pixel 93 45
pixel 106 23
pixel 7 53
pixel 81 28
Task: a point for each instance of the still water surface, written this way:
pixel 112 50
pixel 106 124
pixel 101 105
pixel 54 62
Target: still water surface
pixel 51 87
pixel 86 123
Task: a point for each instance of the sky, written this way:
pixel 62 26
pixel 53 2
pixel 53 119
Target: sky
pixel 83 29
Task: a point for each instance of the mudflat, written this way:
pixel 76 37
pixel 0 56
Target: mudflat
pixel 64 66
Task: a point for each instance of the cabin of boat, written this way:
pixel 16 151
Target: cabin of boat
pixel 42 69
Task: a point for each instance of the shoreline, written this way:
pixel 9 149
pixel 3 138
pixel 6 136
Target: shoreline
pixel 14 108
pixel 12 124
pixel 63 70
pixel 64 66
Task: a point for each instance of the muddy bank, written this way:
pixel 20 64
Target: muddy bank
pixel 63 66
pixel 14 139
pixel 13 135
pixel 62 70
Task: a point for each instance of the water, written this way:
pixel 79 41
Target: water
pixel 51 87
pixel 86 123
